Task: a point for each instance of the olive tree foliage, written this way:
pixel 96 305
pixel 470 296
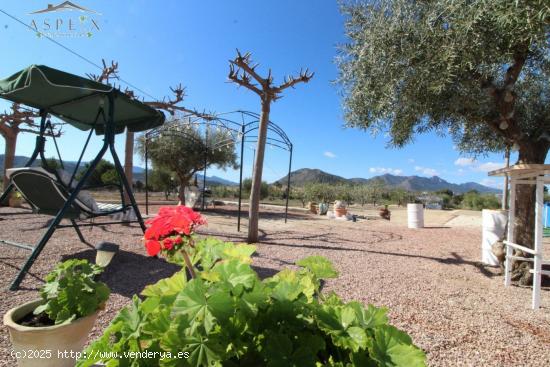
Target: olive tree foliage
pixel 476 70
pixel 185 149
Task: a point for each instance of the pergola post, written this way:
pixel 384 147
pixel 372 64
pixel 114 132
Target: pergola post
pixel 538 242
pixel 511 234
pixel 527 174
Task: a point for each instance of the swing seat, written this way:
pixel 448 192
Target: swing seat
pixel 47 195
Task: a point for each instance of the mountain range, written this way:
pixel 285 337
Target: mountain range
pixel 307 175
pixel 139 172
pixel 410 183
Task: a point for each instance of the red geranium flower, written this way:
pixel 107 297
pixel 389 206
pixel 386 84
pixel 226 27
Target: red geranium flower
pixel 171 221
pixel 168 243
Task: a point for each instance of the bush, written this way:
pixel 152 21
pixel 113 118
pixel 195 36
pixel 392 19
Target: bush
pixel 476 201
pixel 264 188
pixel 227 316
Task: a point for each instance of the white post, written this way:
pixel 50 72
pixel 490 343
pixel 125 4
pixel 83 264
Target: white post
pixel 506 179
pixel 538 243
pixel 511 232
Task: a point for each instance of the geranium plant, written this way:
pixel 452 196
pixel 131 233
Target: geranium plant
pixel 228 316
pixel 171 233
pixel 71 292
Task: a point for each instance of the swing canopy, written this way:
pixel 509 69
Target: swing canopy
pixel 77 100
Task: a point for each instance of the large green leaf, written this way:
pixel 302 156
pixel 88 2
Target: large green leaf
pixel 201 351
pixel 340 323
pixel 201 307
pixel 320 266
pixel 370 317
pixel 235 273
pixel 288 285
pixel 391 347
pixel 167 286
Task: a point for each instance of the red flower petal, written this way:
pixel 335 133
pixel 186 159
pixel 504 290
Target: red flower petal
pixel 153 247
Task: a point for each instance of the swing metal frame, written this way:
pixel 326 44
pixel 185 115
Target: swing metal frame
pixel 109 129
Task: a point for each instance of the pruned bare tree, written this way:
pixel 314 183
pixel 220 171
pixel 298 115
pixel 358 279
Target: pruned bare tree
pixel 12 123
pixel 242 71
pixel 170 105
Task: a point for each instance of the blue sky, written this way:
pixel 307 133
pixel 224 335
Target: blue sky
pixel 160 44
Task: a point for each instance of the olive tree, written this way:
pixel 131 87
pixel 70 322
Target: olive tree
pixel 476 70
pixel 186 150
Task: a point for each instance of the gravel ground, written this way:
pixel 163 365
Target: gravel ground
pixel 456 309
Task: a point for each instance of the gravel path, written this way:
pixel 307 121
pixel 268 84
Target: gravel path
pixel 457 310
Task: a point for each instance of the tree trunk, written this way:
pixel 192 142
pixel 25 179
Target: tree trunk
pixel 181 194
pixel 129 161
pixel 255 191
pixel 532 153
pixel 184 182
pixel 9 155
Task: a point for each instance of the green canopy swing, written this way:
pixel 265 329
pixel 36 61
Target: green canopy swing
pixel 87 105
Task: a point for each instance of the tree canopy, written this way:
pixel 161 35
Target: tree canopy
pixel 476 70
pixel 104 174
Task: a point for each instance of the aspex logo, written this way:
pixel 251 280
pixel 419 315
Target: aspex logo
pixel 65 20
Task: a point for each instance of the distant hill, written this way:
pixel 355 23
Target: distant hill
pixel 139 172
pixel 307 175
pixel 410 183
pixel 20 161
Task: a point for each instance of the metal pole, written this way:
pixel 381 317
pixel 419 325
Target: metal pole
pixel 205 163
pixel 110 135
pixel 537 266
pixel 146 175
pixel 55 222
pixel 505 188
pixel 39 147
pixel 240 180
pixel 288 183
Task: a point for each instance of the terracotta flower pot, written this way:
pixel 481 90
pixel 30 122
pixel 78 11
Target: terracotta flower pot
pixel 15 202
pixel 340 212
pixel 312 206
pixel 48 346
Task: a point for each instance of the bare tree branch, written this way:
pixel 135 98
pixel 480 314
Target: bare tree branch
pixel 243 80
pixel 242 73
pixel 244 63
pixel 107 73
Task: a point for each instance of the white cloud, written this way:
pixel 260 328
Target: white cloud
pixel 488 166
pixel 383 170
pixel 491 182
pixel 463 162
pixel 426 171
pixel 329 154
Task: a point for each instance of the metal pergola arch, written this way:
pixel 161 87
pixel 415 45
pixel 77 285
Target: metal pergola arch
pixel 240 133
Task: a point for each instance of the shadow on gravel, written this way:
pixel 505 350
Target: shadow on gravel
pixel 454 260
pixel 264 272
pixel 128 273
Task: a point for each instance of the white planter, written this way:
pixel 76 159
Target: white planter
pixel 46 345
pixel 415 215
pixel 494 224
pixel 192 194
